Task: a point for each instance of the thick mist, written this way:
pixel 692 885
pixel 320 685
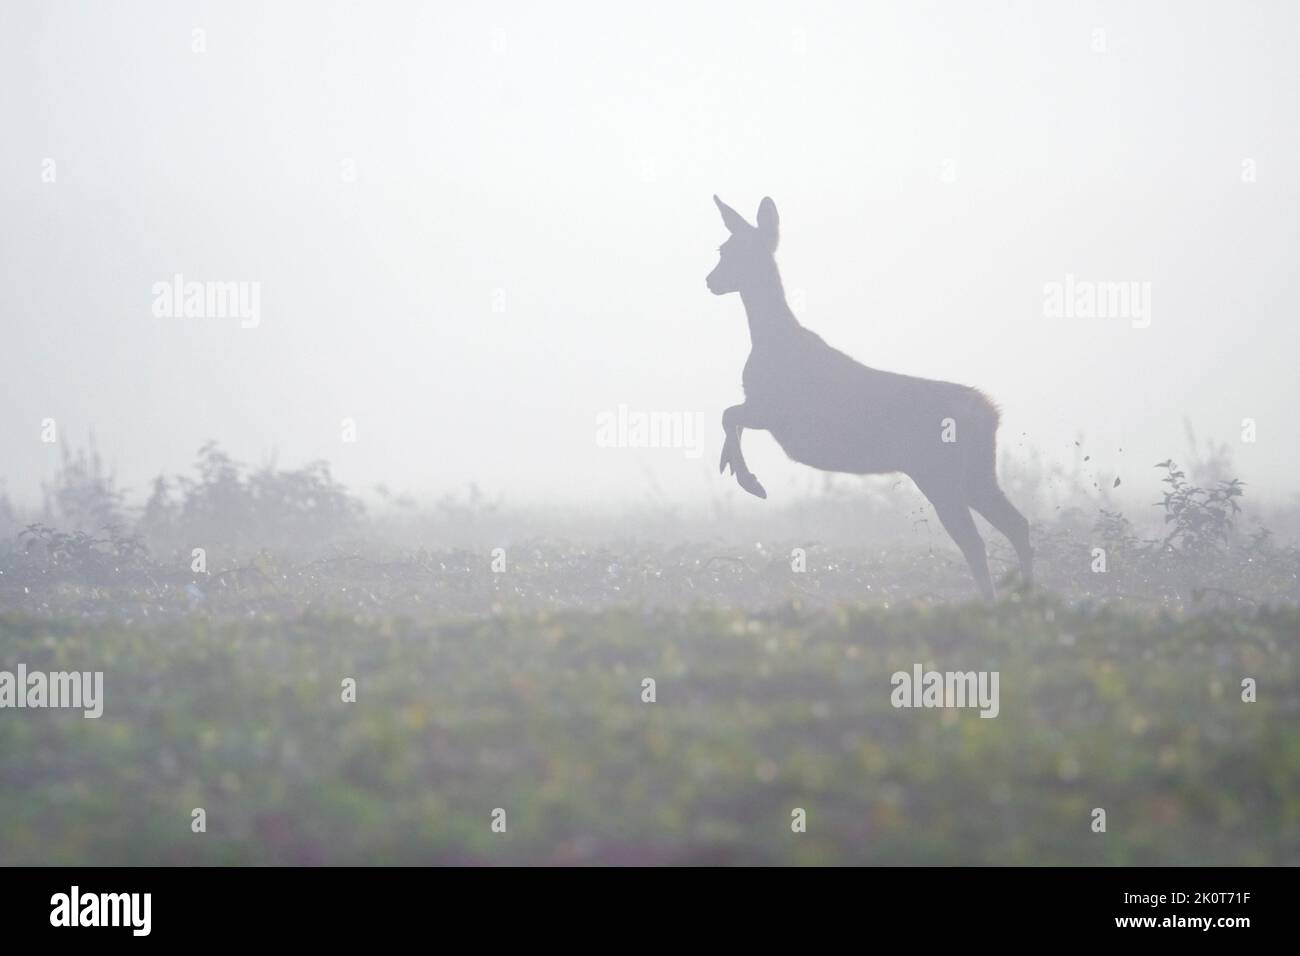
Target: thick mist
pixel 367 373
pixel 477 234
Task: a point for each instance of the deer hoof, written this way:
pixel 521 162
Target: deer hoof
pixel 750 484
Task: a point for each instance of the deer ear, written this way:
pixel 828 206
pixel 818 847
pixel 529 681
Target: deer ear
pixel 768 222
pixel 733 220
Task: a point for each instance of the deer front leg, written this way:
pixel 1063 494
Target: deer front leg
pixel 734 420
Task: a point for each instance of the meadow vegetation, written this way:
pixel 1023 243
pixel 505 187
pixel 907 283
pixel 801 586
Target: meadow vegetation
pixel 521 687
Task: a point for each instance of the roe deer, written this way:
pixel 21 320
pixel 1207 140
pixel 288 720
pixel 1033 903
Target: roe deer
pixel 831 412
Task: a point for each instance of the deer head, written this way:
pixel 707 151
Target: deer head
pixel 747 258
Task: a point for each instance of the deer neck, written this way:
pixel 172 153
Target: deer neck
pixel 769 315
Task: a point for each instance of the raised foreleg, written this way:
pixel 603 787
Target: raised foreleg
pixel 734 420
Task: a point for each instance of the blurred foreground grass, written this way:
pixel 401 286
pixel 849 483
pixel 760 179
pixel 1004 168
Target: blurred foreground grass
pixel 757 713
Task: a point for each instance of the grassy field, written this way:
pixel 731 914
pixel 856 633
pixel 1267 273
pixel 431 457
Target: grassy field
pixel 757 713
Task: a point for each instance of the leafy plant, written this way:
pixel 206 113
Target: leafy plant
pixel 83 553
pixel 297 510
pixel 83 495
pixel 1200 521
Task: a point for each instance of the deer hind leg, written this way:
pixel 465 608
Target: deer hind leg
pixel 950 505
pixel 991 501
pixel 734 420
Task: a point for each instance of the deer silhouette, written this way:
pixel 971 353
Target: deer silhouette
pixel 829 411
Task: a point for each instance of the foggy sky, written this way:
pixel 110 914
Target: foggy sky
pixel 524 241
